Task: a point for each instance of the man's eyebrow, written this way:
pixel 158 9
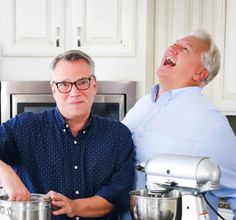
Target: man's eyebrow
pixel 189 45
pixel 186 43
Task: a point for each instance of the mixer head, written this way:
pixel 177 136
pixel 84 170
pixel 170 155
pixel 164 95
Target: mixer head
pixel 189 174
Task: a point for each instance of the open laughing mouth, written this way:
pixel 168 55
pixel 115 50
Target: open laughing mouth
pixel 169 61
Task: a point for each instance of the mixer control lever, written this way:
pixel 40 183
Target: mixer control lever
pixel 140 168
pixel 173 184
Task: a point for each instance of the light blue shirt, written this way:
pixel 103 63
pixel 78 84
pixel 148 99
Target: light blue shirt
pixel 184 121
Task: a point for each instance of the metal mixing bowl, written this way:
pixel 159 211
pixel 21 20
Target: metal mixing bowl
pixel 155 206
pixel 37 208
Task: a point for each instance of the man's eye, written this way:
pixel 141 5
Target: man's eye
pixel 63 84
pixel 83 82
pixel 186 49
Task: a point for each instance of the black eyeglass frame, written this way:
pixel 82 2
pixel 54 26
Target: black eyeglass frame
pixel 75 84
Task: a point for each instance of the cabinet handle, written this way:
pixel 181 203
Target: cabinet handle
pixel 78 36
pixel 57 36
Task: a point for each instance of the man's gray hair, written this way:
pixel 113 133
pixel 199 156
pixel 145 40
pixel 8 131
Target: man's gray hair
pixel 74 55
pixel 211 58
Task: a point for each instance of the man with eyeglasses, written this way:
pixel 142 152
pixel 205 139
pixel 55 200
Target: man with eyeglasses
pixel 83 162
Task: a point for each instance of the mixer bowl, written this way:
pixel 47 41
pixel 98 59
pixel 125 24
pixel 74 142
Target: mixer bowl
pixel 160 206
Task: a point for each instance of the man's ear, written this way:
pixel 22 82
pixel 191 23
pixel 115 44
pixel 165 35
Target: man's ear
pixel 94 84
pixel 52 88
pixel 200 76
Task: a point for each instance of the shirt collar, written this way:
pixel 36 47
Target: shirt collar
pixel 175 92
pixel 154 92
pixel 59 119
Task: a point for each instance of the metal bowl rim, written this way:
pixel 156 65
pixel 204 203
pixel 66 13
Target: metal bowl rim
pixel 41 197
pixel 152 198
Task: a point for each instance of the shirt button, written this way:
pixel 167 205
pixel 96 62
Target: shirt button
pixel 75 167
pixel 67 125
pixel 75 142
pixel 77 218
pixel 77 192
pixel 84 132
pixel 64 130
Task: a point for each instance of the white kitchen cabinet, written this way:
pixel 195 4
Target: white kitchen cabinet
pixel 224 89
pixel 32 27
pixel 48 27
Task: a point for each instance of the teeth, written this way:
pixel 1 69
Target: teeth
pixel 169 61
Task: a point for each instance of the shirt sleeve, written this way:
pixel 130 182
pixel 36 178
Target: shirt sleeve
pixel 122 179
pixel 220 145
pixel 7 142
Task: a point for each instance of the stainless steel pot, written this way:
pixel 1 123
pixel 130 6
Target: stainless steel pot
pixel 155 206
pixel 37 208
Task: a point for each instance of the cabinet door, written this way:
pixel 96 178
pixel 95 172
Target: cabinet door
pixel 224 87
pixel 104 27
pixel 32 28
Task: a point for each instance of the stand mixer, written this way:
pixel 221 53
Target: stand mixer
pixel 175 185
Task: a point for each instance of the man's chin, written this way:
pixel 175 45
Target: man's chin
pixel 77 115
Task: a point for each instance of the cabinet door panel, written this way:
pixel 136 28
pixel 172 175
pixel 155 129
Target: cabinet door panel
pixel 33 27
pixel 102 22
pixel 224 84
pixel 30 23
pixel 104 27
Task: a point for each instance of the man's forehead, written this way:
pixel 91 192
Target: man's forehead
pixel 186 42
pixel 194 42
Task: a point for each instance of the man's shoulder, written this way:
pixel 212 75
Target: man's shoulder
pixel 111 131
pixel 109 123
pixel 28 117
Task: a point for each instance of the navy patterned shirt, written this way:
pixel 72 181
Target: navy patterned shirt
pixel 46 156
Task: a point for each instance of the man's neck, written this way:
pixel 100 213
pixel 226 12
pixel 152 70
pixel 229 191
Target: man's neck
pixel 164 87
pixel 76 124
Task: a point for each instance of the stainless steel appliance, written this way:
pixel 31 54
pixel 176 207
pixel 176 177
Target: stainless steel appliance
pixel 37 208
pixel 174 188
pixel 114 98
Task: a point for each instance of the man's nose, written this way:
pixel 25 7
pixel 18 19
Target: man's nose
pixel 175 48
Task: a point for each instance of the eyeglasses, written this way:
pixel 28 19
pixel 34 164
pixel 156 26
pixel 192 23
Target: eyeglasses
pixel 81 84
